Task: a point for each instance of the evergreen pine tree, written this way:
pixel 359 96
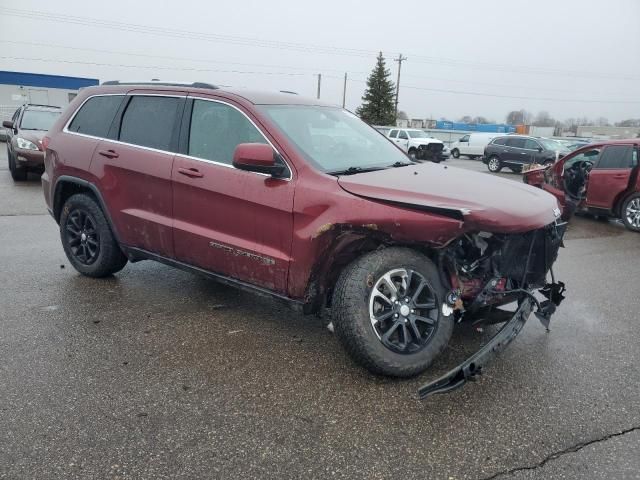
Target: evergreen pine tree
pixel 378 107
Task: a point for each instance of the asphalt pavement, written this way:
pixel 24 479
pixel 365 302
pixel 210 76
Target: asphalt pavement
pixel 157 373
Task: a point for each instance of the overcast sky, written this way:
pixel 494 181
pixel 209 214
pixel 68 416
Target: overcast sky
pixel 571 58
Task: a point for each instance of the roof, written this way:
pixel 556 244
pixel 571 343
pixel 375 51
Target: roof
pixel 257 97
pixel 32 106
pixel 46 81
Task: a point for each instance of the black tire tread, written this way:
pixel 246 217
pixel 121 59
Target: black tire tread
pixel 347 305
pixel 111 259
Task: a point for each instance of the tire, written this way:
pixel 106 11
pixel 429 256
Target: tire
pixel 413 154
pixel 494 164
pixel 548 162
pixel 17 173
pixel 455 153
pixel 516 169
pixel 80 235
pixel 631 212
pixel 354 298
pixel 471 157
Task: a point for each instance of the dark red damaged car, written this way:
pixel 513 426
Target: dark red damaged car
pixel 304 202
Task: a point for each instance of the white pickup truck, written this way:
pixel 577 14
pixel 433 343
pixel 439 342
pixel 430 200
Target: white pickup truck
pixel 415 143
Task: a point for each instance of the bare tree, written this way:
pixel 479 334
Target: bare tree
pixel 543 119
pixel 402 115
pixel 517 117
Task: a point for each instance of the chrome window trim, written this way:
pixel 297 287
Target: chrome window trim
pixel 118 142
pixel 228 165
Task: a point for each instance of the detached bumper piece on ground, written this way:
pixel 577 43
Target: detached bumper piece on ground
pixel 542 252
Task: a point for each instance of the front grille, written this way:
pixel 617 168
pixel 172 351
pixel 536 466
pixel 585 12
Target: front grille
pixel 528 257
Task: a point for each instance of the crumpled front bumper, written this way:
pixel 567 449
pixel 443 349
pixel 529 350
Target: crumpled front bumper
pixel 473 366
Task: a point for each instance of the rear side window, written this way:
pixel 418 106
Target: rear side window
pixel 616 156
pixel 217 129
pixel 515 142
pixel 393 134
pixel 499 141
pixel 149 121
pixel 95 116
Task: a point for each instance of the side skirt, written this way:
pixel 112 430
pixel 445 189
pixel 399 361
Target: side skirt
pixel 136 254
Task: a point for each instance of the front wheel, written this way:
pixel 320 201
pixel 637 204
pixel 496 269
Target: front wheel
pixel 19 174
pixel 455 153
pixel 413 154
pixel 387 312
pixel 87 238
pixel 631 212
pixel 494 165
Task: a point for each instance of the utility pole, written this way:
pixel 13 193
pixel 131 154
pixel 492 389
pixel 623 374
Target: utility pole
pixel 344 90
pixel 319 80
pixel 400 59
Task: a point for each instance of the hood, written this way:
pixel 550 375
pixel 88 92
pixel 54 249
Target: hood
pixel 483 201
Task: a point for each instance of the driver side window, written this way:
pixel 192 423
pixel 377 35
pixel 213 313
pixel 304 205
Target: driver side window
pixel 464 139
pixel 590 156
pixel 403 135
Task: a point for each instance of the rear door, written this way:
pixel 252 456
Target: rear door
pixel 610 176
pixel 133 168
pixel 228 221
pixel 514 151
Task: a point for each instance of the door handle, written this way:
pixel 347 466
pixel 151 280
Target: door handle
pixel 109 153
pixel 190 172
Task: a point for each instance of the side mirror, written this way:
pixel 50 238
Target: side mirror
pixel 7 124
pixel 258 157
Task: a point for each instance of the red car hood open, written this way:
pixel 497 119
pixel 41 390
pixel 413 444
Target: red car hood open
pixel 485 202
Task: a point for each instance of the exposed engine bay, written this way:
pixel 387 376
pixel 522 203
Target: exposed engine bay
pixel 488 270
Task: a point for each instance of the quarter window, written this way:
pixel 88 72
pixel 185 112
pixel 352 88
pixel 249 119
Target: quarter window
pixel 96 115
pixel 616 156
pixel 217 129
pixel 393 134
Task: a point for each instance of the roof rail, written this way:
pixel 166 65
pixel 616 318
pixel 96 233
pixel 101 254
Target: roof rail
pixel 163 84
pixel 40 105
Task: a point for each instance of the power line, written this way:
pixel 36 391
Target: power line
pixel 154 67
pixel 245 41
pixel 480 94
pixel 312 69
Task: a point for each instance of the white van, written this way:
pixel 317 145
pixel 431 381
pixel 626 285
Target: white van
pixel 472 145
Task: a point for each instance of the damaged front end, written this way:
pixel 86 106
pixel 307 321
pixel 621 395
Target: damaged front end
pixel 486 271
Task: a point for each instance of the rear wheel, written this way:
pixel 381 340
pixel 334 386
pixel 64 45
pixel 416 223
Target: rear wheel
pixel 19 174
pixel 494 165
pixel 631 212
pixel 413 154
pixel 387 312
pixel 456 153
pixel 87 238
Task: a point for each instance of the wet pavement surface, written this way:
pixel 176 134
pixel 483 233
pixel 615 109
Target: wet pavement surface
pixel 157 373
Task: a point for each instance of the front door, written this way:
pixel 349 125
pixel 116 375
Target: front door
pixel 610 176
pixel 228 221
pixel 403 140
pixel 134 171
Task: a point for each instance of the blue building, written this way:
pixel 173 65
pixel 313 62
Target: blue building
pixel 17 88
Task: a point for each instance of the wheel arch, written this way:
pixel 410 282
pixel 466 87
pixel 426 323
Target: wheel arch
pixel 67 185
pixel 347 246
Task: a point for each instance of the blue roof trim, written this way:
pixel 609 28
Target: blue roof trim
pixel 46 81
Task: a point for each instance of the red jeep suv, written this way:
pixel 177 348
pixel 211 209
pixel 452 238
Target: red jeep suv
pixel 304 202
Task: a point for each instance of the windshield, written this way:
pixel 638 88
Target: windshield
pixel 333 139
pixel 552 145
pixel 417 134
pixel 38 119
